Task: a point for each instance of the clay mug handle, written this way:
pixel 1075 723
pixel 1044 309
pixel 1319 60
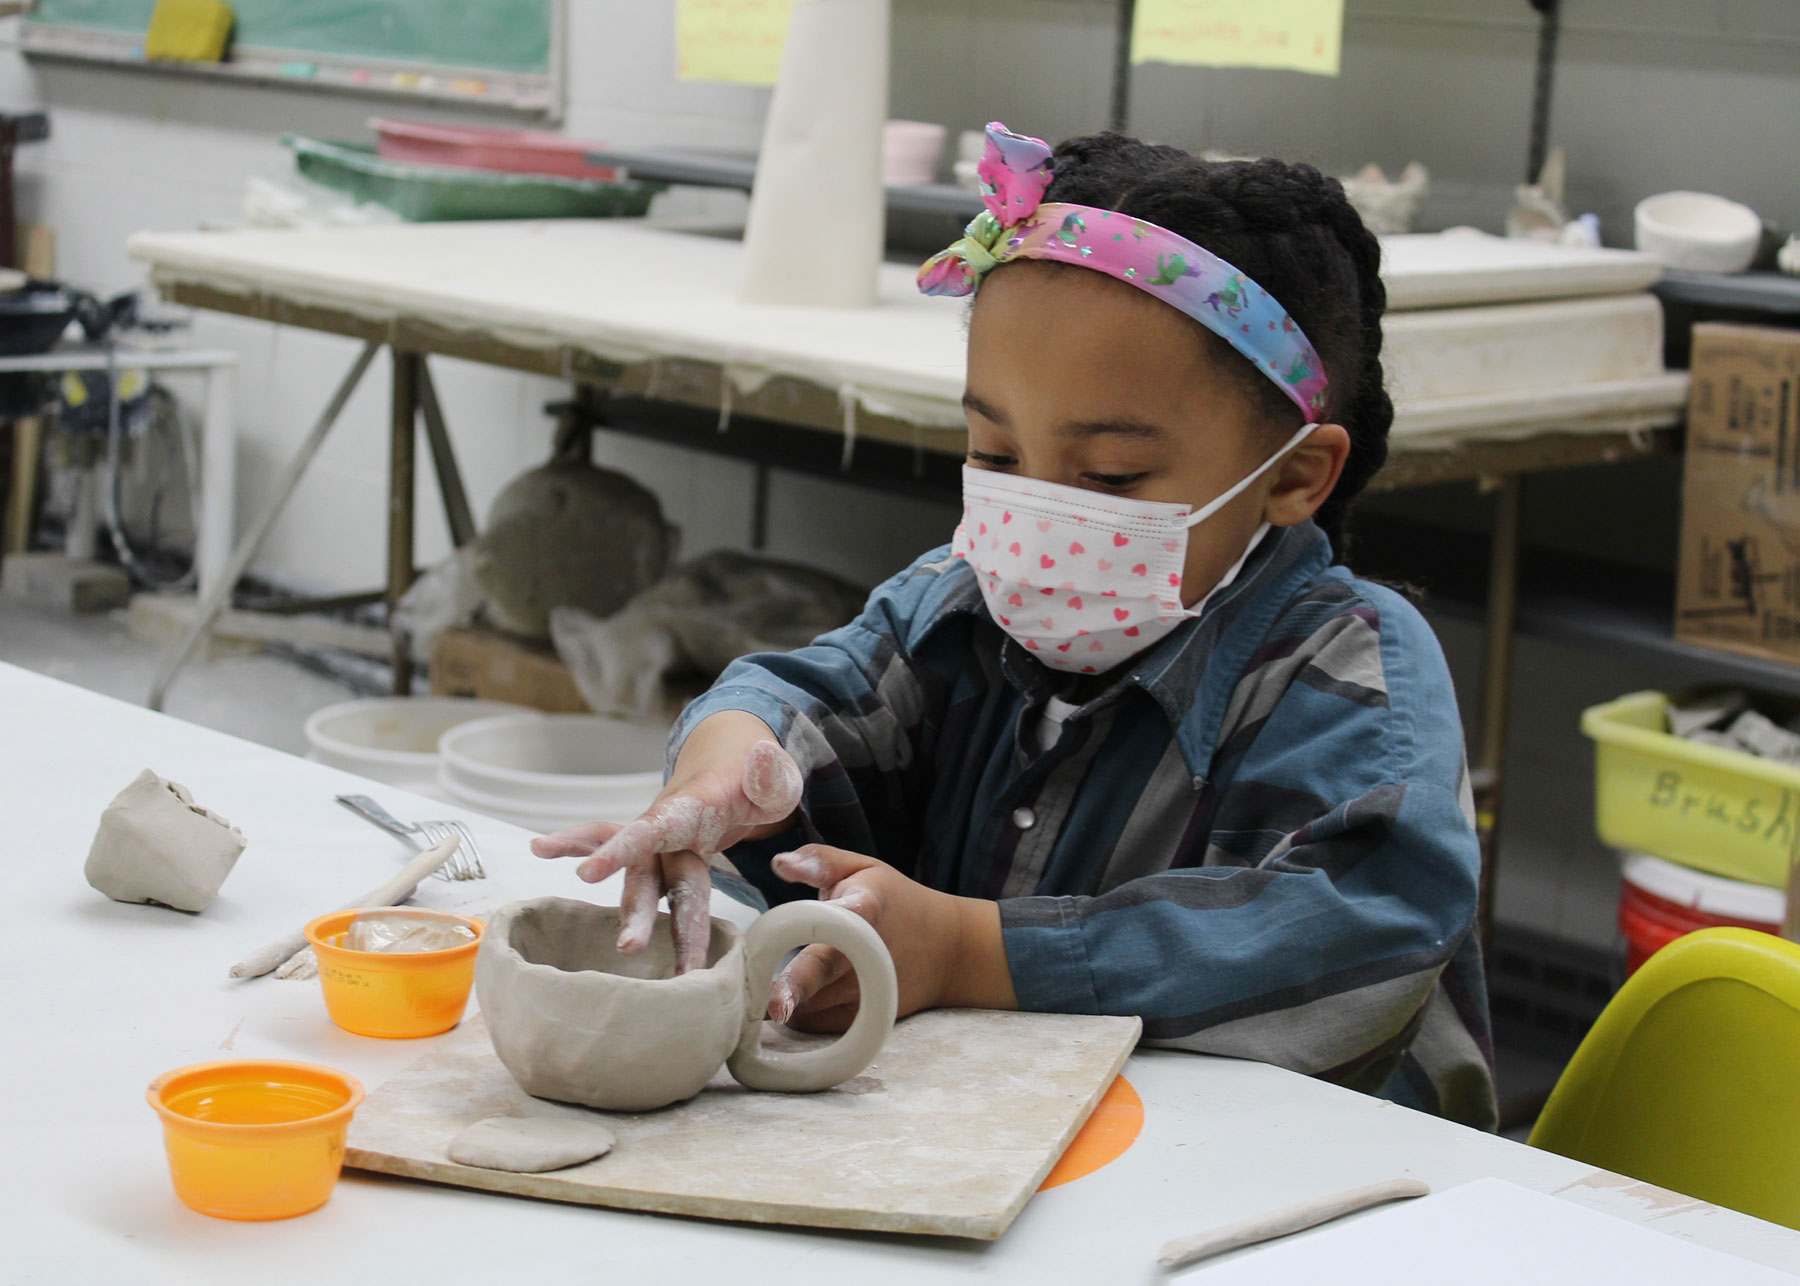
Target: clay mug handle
pixel 777 932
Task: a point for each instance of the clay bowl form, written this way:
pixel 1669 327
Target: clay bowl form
pixel 392 740
pixel 395 995
pixel 628 1035
pixel 254 1138
pixel 548 771
pixel 1695 230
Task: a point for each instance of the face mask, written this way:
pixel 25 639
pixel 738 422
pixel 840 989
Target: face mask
pixel 1081 579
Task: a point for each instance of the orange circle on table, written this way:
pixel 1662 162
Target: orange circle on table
pixel 1113 1127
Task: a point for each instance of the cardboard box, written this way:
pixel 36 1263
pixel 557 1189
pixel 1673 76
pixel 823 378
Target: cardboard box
pixel 476 663
pixel 1738 586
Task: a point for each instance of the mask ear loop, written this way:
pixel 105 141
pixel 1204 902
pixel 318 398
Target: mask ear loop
pixel 1218 502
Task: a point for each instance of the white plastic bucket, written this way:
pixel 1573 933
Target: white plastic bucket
pixel 550 771
pixel 392 740
pixel 1660 901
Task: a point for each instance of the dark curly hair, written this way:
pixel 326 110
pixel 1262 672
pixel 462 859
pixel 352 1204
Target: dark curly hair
pixel 1290 229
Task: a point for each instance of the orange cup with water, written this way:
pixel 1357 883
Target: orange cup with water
pixel 254 1138
pixel 395 995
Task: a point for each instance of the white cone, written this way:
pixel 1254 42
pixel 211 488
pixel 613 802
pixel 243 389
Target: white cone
pixel 817 214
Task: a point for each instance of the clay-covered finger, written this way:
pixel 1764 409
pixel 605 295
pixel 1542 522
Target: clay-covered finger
pixel 689 882
pixel 633 844
pixel 833 1020
pixel 772 781
pixel 807 974
pixel 576 841
pixel 637 903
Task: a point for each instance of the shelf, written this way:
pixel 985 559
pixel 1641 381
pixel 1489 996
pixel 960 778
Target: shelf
pixel 1774 293
pixel 1563 598
pixel 715 169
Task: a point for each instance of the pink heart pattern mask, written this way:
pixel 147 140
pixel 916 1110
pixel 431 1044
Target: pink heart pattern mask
pixel 1081 579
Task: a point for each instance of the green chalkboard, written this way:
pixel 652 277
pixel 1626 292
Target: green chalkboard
pixel 512 36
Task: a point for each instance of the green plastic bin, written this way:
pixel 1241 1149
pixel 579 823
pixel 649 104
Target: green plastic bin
pixel 437 193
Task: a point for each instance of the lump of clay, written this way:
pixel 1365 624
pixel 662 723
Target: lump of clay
pixel 697 620
pixel 155 844
pixel 568 534
pixel 530 1144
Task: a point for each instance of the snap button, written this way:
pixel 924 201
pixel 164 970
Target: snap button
pixel 1024 818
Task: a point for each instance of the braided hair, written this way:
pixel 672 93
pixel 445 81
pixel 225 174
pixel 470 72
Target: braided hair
pixel 1291 230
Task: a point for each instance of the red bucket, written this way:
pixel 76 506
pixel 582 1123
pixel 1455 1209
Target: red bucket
pixel 1660 901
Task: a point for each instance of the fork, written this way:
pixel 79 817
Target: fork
pixel 465 864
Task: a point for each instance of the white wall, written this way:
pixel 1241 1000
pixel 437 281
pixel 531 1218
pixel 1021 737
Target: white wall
pixel 1652 94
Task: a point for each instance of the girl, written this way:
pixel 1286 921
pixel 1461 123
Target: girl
pixel 1135 743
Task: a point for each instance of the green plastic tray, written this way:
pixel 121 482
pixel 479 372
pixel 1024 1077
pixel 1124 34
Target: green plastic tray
pixel 436 193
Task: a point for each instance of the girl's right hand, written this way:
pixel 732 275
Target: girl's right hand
pixel 730 783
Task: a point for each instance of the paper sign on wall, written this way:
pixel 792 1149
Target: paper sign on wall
pixel 733 40
pixel 1298 35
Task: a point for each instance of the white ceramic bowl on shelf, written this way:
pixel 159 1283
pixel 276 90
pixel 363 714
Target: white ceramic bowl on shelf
pixel 549 771
pixel 1697 230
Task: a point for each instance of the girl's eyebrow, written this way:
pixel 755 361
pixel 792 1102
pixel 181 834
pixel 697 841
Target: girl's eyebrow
pixel 1125 427
pixel 984 410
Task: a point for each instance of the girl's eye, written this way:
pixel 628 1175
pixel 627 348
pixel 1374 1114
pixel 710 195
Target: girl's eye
pixel 989 461
pixel 1117 481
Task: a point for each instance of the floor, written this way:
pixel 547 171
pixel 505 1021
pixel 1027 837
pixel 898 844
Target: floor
pixel 266 698
pixel 263 698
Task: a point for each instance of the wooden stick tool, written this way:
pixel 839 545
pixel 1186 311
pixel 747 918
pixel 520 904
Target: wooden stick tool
pixel 392 893
pixel 1271 1224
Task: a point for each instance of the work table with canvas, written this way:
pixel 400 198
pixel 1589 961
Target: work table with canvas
pixel 1220 1138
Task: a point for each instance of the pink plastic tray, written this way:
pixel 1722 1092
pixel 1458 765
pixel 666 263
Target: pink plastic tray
pixel 473 147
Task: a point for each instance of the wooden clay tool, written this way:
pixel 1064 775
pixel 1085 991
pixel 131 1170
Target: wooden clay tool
pixel 1271 1224
pixel 392 893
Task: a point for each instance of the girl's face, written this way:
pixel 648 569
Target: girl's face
pixel 1078 379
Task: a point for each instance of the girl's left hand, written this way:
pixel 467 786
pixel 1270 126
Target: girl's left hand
pixel 924 931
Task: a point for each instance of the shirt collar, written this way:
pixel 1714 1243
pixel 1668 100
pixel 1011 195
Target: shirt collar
pixel 1192 673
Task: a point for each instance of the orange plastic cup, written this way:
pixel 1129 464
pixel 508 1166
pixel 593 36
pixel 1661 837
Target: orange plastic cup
pixel 254 1138
pixel 394 995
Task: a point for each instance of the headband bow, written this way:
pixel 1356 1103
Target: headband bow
pixel 1015 173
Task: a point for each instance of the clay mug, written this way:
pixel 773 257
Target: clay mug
pixel 575 1020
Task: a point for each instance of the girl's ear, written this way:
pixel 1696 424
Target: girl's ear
pixel 1303 481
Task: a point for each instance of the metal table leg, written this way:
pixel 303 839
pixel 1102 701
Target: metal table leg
pixel 1496 689
pixel 215 599
pixel 218 477
pixel 403 426
pixel 27 443
pixel 457 513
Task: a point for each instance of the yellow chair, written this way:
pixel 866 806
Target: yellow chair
pixel 1690 1079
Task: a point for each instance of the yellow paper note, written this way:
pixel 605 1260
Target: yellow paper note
pixel 1298 35
pixel 735 40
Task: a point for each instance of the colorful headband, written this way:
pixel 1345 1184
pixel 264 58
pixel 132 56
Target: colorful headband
pixel 1015 173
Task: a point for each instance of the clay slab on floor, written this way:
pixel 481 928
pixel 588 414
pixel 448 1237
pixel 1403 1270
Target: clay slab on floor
pixel 947 1133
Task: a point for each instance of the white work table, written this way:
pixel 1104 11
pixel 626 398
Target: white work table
pixel 1488 338
pixel 102 996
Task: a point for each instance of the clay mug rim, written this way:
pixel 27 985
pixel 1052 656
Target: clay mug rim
pixel 498 938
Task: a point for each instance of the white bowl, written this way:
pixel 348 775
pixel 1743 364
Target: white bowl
pixel 392 740
pixel 558 768
pixel 911 151
pixel 1698 231
pixel 541 817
